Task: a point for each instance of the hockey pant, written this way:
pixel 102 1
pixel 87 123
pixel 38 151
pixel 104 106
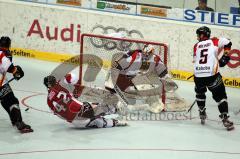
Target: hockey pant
pixel 96 109
pixel 10 103
pixel 91 116
pixel 216 86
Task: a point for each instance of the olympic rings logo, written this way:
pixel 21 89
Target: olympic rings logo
pixel 235 58
pixel 108 44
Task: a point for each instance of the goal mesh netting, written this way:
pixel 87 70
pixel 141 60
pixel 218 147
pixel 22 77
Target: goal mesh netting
pixel 96 56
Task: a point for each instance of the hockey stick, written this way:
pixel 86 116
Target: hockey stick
pixel 9 81
pixel 190 77
pixel 191 106
pixel 114 74
pixel 121 96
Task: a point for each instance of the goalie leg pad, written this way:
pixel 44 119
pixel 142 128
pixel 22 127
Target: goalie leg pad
pixel 155 104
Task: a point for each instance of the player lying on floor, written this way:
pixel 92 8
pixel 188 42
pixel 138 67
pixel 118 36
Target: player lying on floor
pixel 80 114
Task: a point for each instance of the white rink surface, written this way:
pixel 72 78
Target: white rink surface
pixel 54 138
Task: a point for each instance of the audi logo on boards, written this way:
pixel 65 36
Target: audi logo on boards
pixel 235 58
pixel 109 44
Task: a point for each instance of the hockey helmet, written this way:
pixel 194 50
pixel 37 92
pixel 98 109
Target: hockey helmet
pixel 5 42
pixel 204 30
pixel 148 48
pixel 49 81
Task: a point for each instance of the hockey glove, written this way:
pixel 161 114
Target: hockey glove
pixel 224 60
pixel 18 73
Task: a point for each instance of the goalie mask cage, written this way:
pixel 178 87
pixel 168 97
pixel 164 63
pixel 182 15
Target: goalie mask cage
pixel 97 53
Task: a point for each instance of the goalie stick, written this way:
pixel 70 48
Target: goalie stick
pixel 123 99
pixel 121 96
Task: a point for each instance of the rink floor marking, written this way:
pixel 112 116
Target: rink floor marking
pixel 23 101
pixel 121 149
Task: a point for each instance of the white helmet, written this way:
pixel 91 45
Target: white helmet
pixel 148 48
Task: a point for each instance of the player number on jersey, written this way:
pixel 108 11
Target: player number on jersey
pixel 63 95
pixel 203 56
pixel 64 98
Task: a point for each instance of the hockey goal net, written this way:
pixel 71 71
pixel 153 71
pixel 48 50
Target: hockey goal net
pixel 96 55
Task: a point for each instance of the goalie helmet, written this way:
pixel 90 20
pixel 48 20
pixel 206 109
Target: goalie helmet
pixel 203 30
pixel 5 42
pixel 49 81
pixel 148 49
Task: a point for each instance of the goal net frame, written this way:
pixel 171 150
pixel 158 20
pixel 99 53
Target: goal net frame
pixel 163 52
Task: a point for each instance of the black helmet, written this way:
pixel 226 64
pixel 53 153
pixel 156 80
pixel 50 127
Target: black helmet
pixel 204 30
pixel 49 81
pixel 5 42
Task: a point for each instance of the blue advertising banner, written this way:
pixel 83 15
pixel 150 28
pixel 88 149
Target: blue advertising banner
pixel 212 17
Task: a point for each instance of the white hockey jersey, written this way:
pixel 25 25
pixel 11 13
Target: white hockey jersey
pixel 4 65
pixel 206 56
pixel 134 64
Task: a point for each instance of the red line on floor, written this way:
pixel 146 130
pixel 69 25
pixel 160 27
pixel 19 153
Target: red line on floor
pixel 23 101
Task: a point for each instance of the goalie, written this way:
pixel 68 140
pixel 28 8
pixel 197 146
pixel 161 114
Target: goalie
pixel 80 114
pixel 133 69
pixel 137 62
